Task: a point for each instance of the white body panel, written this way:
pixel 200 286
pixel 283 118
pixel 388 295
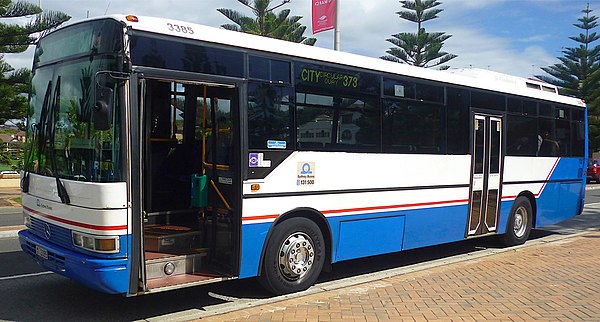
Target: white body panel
pixel 111 195
pixel 92 221
pixel 346 171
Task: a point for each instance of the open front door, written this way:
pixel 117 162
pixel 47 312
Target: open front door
pixel 190 182
pixel 486 178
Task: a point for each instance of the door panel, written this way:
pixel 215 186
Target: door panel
pixel 486 178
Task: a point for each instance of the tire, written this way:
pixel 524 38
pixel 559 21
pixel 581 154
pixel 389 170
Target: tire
pixel 519 223
pixel 293 257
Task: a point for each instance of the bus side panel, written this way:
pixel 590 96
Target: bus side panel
pixel 433 226
pixel 367 235
pixel 253 239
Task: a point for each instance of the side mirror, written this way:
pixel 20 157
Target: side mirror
pixel 102 110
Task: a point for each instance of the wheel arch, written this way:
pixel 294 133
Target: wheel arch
pixel 309 213
pixel 531 197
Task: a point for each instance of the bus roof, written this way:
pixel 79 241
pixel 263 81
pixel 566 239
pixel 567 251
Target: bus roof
pixel 474 78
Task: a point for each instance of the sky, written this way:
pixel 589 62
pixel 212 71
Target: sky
pixel 515 37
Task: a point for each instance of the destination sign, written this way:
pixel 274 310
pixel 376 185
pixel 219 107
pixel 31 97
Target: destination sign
pixel 328 77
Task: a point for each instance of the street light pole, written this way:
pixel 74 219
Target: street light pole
pixel 336 42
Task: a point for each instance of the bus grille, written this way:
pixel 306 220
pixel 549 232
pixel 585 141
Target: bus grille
pixel 58 235
pixel 54 261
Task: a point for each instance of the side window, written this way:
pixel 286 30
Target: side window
pixel 269 117
pixel 578 132
pixel 273 70
pixel 563 137
pixel 522 136
pixel 457 113
pixel 337 124
pixel 412 127
pixel 549 146
pixel 488 101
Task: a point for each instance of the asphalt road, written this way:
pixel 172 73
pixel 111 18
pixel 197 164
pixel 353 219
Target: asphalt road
pixel 29 294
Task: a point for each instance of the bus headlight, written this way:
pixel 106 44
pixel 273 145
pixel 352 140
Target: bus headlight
pixel 100 244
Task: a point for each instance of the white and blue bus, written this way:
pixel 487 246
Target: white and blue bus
pixel 163 154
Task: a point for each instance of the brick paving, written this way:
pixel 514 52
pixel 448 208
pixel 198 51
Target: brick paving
pixel 558 281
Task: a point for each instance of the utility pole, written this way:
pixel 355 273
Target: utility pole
pixel 336 41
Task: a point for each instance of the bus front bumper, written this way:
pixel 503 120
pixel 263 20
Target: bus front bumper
pixel 104 275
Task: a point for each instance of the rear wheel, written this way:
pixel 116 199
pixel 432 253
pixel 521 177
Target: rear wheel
pixel 293 258
pixel 519 223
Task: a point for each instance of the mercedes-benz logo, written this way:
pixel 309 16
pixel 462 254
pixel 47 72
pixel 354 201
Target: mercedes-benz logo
pixel 47 231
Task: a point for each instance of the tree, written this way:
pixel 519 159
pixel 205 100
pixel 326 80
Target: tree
pixel 578 73
pixel 268 23
pixel 15 38
pixel 421 49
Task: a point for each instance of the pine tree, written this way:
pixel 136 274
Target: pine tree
pixel 267 23
pixel 577 65
pixel 421 49
pixel 578 73
pixel 16 38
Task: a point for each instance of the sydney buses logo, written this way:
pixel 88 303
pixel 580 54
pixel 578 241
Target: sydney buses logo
pixel 42 205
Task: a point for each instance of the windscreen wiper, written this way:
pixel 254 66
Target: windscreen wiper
pixel 62 192
pixel 41 138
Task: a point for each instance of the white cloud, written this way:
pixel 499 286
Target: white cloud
pixel 477 49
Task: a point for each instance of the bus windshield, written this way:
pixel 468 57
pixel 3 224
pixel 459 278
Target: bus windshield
pixel 63 140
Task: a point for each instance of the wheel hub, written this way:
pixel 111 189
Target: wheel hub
pixel 520 225
pixel 296 256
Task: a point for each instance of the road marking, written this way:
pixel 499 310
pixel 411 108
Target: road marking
pixel 14 277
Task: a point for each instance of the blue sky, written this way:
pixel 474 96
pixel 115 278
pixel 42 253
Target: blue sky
pixel 510 36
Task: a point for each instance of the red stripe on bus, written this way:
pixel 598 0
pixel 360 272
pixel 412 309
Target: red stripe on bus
pixel 337 211
pixel 75 223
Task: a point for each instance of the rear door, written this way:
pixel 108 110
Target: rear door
pixel 486 170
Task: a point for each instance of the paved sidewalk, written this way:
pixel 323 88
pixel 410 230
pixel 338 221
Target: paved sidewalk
pixel 549 281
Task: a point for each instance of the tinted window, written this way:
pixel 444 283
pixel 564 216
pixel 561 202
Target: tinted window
pixel 430 93
pixel 549 146
pixel 412 127
pixel 259 68
pixel 269 117
pixel 337 124
pixel 577 139
pixel 488 101
pixel 457 113
pixel 546 110
pixel 563 137
pixel 269 69
pixel 178 55
pixel 522 136
pixel 524 107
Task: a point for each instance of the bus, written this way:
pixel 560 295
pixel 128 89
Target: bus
pixel 162 154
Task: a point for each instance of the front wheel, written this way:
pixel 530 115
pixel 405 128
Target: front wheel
pixel 519 223
pixel 294 257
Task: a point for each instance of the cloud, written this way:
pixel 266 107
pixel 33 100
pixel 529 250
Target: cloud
pixel 478 49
